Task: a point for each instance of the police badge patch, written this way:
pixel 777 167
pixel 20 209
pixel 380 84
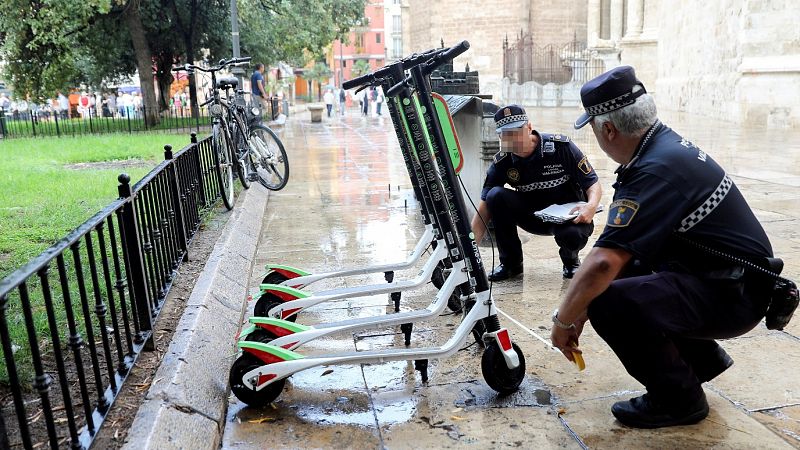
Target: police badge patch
pixel 584 166
pixel 549 147
pixel 513 175
pixel 506 112
pixel 621 212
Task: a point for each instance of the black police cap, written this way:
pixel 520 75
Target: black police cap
pixel 510 117
pixel 608 92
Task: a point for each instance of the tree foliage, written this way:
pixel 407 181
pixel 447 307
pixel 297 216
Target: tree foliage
pixel 360 67
pixel 295 31
pixel 50 45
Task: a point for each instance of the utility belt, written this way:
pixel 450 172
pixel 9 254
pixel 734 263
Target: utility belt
pixel 764 273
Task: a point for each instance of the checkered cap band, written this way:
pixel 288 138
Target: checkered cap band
pixel 543 184
pixel 614 104
pixel 709 205
pixel 510 119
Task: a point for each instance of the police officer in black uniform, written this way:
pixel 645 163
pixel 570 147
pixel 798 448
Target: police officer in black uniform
pixel 669 197
pixel 542 169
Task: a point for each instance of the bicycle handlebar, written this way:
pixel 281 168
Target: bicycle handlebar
pixel 222 64
pixel 431 64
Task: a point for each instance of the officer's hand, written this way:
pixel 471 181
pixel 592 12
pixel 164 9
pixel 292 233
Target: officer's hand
pixel 585 213
pixel 565 340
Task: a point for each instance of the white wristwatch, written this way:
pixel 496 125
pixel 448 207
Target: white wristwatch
pixel 561 324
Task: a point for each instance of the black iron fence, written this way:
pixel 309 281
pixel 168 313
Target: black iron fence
pixel 526 61
pixel 45 123
pixel 74 319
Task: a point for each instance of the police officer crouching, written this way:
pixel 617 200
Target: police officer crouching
pixel 542 169
pixel 661 322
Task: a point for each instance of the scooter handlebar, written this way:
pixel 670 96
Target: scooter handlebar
pixel 447 55
pixel 358 81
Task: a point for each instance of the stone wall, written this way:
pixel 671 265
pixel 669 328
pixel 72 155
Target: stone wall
pixel 738 60
pixel 485 26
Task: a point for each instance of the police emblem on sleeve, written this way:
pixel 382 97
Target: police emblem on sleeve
pixel 513 175
pixel 584 166
pixel 621 212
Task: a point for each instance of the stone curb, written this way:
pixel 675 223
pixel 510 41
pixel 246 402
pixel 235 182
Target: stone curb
pixel 186 403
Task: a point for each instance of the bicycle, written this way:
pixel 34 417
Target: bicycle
pixel 261 153
pixel 231 131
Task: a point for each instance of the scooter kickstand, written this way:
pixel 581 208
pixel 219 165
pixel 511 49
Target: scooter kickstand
pixel 406 329
pixel 422 366
pixel 395 296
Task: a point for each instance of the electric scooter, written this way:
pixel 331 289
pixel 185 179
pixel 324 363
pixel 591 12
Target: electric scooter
pixel 257 377
pixel 289 335
pixel 280 295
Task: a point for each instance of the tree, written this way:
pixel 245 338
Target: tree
pixel 320 73
pixel 360 67
pixel 296 31
pixel 95 41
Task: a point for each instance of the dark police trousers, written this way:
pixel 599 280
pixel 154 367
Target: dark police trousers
pixel 662 327
pixel 509 210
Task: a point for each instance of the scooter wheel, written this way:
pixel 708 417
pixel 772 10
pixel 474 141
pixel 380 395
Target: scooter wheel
pixel 437 277
pixel 497 374
pixel 266 302
pixel 261 335
pixel 241 366
pixel 274 278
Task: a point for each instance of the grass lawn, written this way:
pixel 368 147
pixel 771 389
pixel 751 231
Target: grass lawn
pixel 49 186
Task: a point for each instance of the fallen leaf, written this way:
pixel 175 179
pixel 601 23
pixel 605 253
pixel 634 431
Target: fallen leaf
pixel 327 372
pixel 262 420
pixel 561 411
pixel 456 418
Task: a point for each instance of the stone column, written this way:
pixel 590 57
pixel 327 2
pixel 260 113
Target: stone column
pixel 593 23
pixel 635 18
pixel 615 20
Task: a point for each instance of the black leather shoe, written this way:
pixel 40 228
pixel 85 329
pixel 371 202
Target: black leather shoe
pixel 502 272
pixel 570 269
pixel 642 412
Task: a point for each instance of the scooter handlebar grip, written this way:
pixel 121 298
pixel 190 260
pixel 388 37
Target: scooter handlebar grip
pixel 454 51
pixel 357 81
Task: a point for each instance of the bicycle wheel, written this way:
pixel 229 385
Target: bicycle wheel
pixel 271 163
pixel 222 163
pixel 243 166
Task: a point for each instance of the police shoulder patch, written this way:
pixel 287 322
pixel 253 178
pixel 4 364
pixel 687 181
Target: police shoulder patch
pixel 584 166
pixel 499 156
pixel 621 212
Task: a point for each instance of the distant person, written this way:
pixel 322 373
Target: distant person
pixel 258 87
pixel 365 103
pixel 342 101
pixel 63 105
pixel 328 99
pixel 111 102
pixel 379 99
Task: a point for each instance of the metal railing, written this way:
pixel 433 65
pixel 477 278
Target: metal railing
pixel 525 61
pixel 74 319
pixel 41 123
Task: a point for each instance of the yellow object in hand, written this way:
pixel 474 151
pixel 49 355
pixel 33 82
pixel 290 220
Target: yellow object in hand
pixel 578 359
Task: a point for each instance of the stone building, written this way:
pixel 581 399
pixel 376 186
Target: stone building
pixel 485 25
pixel 738 60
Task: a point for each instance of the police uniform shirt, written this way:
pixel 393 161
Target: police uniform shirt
pixel 671 185
pixel 557 172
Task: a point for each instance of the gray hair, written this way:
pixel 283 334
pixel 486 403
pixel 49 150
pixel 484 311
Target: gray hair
pixel 634 119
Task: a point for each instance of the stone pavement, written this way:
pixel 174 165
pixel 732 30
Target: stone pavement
pixel 349 203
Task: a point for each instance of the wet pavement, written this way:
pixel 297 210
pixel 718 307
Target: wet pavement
pixel 349 203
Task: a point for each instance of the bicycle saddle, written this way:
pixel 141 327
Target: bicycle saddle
pixel 225 83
